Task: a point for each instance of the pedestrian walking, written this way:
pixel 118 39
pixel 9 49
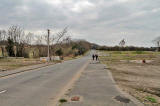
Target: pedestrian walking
pixel 93 56
pixel 96 55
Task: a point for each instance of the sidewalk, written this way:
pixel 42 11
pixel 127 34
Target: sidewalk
pixel 23 69
pixel 97 88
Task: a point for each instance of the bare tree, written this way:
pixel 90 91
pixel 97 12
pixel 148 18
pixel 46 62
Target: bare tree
pixel 3 36
pixel 61 34
pixel 42 49
pixel 122 43
pixel 67 40
pixel 29 38
pixel 58 39
pixel 38 39
pixel 17 34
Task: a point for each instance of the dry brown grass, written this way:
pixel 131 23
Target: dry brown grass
pixel 10 64
pixel 14 63
pixel 140 80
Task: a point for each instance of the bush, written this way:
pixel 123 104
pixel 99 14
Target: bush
pixel 10 47
pixel 59 52
pixel 81 49
pixel 62 100
pixel 151 99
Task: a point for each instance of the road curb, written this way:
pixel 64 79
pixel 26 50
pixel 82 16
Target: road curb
pixel 133 99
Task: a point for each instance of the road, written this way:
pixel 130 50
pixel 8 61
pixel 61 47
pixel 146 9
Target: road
pixel 47 85
pixel 39 87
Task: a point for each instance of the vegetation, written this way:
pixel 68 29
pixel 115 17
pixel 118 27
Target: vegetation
pixel 11 63
pixel 16 43
pixel 18 49
pixel 151 99
pixel 10 47
pixel 127 48
pixel 59 52
pixel 117 56
pixel 62 100
pixel 81 47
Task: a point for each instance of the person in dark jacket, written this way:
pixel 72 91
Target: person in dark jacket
pixel 96 55
pixel 93 56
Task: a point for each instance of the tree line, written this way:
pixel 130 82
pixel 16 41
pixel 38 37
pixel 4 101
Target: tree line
pixel 127 48
pixel 15 41
pixel 122 46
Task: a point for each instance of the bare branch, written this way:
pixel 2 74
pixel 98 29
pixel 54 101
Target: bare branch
pixel 122 43
pixel 16 33
pixel 29 38
pixel 157 41
pixel 60 35
pixel 39 39
pixel 3 35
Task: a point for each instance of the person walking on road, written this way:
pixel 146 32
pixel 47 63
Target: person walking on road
pixel 93 56
pixel 96 55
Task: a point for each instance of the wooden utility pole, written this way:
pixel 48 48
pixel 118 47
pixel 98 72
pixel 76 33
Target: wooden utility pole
pixel 48 44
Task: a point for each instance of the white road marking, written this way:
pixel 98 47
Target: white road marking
pixel 3 91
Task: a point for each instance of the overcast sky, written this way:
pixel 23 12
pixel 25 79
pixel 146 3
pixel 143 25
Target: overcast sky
pixel 104 22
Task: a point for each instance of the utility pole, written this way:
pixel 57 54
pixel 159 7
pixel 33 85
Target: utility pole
pixel 48 44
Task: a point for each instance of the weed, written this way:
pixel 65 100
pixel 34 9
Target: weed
pixel 62 100
pixel 151 99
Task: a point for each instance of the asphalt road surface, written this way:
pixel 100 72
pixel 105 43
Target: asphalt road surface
pixel 38 87
pixel 47 85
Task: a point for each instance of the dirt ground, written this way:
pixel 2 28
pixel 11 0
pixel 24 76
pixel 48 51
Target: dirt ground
pixel 141 80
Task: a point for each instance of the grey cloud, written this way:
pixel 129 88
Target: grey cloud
pixel 99 21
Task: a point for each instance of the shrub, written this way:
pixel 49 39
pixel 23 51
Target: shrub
pixel 62 100
pixel 151 99
pixel 59 52
pixel 10 47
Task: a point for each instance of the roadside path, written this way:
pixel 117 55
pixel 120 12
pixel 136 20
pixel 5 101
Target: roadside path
pixel 97 88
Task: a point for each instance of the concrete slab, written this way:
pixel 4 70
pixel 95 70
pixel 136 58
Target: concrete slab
pixel 96 88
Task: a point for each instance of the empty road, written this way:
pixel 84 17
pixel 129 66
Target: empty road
pixel 39 87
